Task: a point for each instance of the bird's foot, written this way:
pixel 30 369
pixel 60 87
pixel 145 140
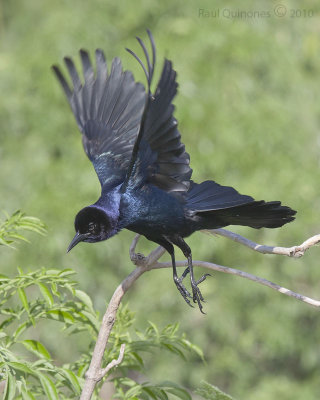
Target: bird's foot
pixel 138 259
pixel 197 295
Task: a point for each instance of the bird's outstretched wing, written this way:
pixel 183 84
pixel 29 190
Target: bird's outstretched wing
pixel 128 137
pixel 108 110
pixel 167 164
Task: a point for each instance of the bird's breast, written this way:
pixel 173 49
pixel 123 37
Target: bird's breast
pixel 151 210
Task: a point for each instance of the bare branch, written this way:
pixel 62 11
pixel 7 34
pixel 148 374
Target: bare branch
pixel 242 274
pixel 295 251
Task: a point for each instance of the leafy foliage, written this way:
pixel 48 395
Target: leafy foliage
pixel 55 299
pixel 43 294
pixel 10 228
pixel 26 364
pixel 151 340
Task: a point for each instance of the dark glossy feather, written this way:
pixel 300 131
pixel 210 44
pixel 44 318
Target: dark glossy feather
pixel 257 214
pixel 170 169
pixel 108 111
pixel 161 128
pixel 220 206
pixel 209 195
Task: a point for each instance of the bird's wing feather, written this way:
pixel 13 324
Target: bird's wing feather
pixel 127 138
pixel 171 170
pixel 166 163
pixel 108 111
pixel 209 196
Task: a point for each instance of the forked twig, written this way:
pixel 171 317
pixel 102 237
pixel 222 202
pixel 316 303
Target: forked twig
pixel 114 362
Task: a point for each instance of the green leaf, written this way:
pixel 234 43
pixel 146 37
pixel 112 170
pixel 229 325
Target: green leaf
pixel 54 289
pixel 48 387
pixel 194 348
pixel 27 395
pixel 72 378
pixel 149 392
pixel 46 293
pixel 134 391
pixel 21 328
pixel 210 392
pixel 70 288
pixel 175 350
pixel 137 357
pixel 128 382
pixel 67 272
pixel 36 348
pixel 62 316
pixel 23 298
pixel 93 319
pixel 6 322
pixel 84 298
pixel 5 242
pixel 175 389
pixel 154 328
pixel 155 392
pixel 21 367
pixel 54 272
pixel 10 390
pixel 180 393
pixel 19 237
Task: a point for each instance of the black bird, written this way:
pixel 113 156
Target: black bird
pixel 131 137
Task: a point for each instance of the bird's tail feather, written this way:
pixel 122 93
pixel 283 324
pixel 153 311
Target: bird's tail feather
pixel 258 214
pixel 218 206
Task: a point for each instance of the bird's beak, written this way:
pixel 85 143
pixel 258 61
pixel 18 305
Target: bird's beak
pixel 79 237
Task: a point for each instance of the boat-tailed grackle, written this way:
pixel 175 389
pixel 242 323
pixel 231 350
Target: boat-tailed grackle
pixel 131 137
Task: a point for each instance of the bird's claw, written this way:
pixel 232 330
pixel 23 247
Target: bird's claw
pixel 197 296
pixel 183 291
pixel 202 278
pixel 196 293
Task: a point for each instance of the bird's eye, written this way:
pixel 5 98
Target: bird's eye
pixel 93 227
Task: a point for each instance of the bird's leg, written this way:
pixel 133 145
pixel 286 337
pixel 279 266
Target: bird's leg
pixel 178 282
pixel 197 295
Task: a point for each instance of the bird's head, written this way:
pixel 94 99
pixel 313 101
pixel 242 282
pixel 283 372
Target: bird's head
pixel 93 224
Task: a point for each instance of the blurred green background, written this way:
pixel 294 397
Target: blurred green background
pixel 249 112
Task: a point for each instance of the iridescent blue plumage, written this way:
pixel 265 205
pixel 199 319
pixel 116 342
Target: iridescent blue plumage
pixel 132 139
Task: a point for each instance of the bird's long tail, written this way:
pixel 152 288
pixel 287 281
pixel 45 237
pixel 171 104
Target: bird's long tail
pixel 218 206
pixel 258 214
